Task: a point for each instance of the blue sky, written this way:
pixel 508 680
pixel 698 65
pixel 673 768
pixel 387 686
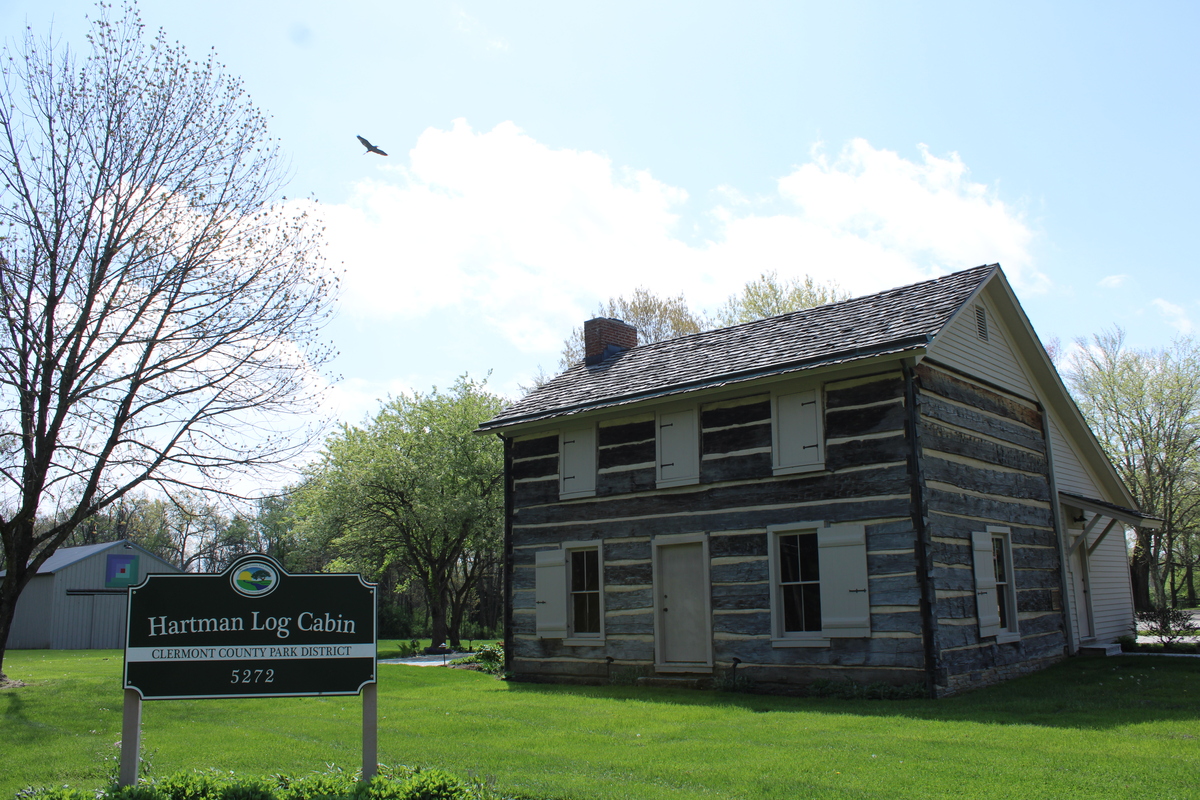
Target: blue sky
pixel 546 156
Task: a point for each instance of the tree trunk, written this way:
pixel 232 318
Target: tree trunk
pixel 1139 572
pixel 11 585
pixel 18 549
pixel 437 614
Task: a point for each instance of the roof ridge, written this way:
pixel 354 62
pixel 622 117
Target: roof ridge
pixel 895 320
pixel 811 309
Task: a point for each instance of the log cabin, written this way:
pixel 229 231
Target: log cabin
pixel 896 488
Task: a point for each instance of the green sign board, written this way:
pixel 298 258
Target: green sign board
pixel 251 631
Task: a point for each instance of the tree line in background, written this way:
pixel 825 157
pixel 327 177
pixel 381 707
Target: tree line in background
pixel 1144 407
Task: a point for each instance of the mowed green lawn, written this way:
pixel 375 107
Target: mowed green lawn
pixel 1089 728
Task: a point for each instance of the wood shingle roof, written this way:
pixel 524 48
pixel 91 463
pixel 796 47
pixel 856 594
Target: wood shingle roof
pixel 890 322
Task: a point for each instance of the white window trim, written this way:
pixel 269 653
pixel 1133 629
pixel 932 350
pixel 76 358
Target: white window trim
pixel 694 476
pixel 776 429
pixel 588 640
pixel 586 436
pixel 778 637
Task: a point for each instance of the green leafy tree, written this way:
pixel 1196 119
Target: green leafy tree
pixel 769 296
pixel 159 310
pixel 416 488
pixel 1144 407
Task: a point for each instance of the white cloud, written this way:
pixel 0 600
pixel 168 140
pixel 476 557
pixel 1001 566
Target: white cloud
pixel 880 220
pixel 526 240
pixel 1176 316
pixel 1113 281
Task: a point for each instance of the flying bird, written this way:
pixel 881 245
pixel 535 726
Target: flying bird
pixel 370 147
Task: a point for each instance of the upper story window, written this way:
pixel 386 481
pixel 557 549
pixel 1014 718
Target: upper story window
pixel 577 462
pixel 799 432
pixel 678 448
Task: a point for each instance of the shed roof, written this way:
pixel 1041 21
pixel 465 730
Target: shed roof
pixel 891 322
pixel 64 557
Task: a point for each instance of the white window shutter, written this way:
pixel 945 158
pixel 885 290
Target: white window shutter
pixel 845 601
pixel 578 464
pixel 550 593
pixel 798 430
pixel 986 606
pixel 678 447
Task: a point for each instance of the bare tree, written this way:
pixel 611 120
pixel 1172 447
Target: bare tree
pixel 159 308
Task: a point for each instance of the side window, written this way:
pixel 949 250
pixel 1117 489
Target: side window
pixel 577 462
pixel 569 592
pixel 678 448
pixel 799 437
pixel 995 589
pixel 818 583
pixel 586 593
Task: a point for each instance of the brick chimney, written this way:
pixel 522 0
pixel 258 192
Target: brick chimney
pixel 603 336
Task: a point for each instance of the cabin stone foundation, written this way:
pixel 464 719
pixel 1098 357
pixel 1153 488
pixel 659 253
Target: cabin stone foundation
pixel 967 681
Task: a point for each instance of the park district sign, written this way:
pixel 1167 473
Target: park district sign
pixel 251 631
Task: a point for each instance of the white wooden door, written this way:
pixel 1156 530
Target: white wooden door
pixel 1081 596
pixel 682 610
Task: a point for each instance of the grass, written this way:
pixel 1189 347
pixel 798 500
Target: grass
pixel 1124 727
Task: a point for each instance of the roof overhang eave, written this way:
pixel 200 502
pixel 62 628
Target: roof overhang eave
pixel 1129 516
pixel 913 348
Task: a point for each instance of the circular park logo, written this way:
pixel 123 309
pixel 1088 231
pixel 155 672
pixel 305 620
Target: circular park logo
pixel 254 579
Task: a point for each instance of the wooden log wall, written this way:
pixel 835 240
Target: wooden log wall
pixel 866 480
pixel 983 462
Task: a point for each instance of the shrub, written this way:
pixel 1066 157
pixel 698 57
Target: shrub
pixel 334 783
pixel 1168 624
pixel 242 790
pixel 53 793
pixel 433 784
pixel 490 658
pixel 392 783
pixel 141 791
pixel 193 785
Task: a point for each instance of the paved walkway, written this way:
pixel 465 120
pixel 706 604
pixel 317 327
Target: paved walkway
pixel 425 661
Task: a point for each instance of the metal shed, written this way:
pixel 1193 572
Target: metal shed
pixel 77 599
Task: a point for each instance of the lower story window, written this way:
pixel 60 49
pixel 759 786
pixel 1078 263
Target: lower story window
pixel 800 582
pixel 999 563
pixel 585 592
pixel 995 588
pixel 819 588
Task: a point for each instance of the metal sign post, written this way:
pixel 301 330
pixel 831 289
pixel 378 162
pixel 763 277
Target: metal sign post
pixel 251 631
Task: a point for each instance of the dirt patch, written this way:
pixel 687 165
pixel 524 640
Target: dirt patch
pixel 7 684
